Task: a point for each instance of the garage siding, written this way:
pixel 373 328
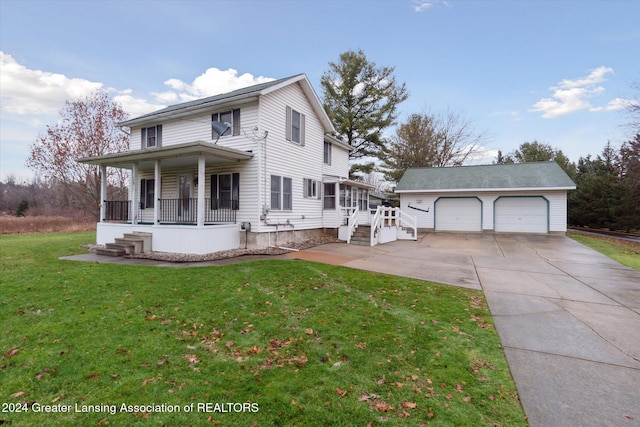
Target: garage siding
pixel 418 203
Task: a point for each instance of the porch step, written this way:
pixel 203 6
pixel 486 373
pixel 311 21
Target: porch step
pixel 110 251
pixel 144 237
pixel 361 236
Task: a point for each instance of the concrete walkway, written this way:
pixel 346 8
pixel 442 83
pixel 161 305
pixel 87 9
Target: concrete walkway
pixel 568 317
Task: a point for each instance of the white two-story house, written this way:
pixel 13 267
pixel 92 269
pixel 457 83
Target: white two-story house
pixel 254 167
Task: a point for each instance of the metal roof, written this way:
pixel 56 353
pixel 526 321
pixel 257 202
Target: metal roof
pixel 525 176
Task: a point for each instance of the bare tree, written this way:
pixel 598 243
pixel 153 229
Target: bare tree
pixel 86 127
pixel 430 140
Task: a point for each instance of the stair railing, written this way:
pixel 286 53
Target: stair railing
pixel 408 221
pixel 352 223
pixel 376 224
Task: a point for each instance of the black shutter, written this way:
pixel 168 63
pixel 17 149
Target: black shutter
pixel 235 191
pixel 143 191
pixel 236 122
pixel 143 139
pixel 214 192
pixel 159 136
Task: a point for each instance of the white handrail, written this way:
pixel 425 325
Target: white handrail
pixel 352 223
pixel 376 224
pixel 410 221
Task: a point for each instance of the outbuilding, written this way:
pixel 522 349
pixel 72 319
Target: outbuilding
pixel 511 198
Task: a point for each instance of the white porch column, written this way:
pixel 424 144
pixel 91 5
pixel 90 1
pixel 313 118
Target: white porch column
pixel 135 197
pixel 201 183
pixel 103 192
pixel 157 192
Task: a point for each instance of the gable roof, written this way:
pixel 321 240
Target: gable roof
pixel 516 176
pixel 237 95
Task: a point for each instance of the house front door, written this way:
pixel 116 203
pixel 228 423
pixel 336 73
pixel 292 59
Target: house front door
pixel 185 184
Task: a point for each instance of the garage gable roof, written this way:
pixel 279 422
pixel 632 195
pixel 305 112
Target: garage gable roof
pixel 516 176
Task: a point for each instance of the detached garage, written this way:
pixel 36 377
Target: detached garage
pixel 512 198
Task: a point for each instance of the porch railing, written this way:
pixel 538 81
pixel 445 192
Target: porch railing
pixel 185 211
pixel 117 210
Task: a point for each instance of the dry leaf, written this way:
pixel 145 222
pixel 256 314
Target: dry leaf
pixel 381 406
pixel 308 331
pixel 18 394
pixel 409 405
pixel 341 392
pixel 150 380
pixel 12 352
pixel 466 399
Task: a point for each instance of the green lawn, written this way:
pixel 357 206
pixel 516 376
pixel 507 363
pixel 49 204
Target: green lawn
pixel 271 342
pixel 625 253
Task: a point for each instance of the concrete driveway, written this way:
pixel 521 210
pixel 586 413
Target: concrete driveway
pixel 568 317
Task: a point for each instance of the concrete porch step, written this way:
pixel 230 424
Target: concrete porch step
pixel 110 251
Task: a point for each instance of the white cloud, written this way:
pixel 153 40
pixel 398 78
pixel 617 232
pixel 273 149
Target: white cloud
pixel 26 91
pixel 422 5
pixel 212 82
pixel 615 105
pixel 571 96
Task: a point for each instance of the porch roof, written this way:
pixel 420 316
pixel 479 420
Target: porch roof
pixel 172 155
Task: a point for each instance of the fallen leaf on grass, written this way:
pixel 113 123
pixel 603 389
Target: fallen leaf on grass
pixel 148 381
pixel 381 406
pixel 308 331
pixel 12 352
pixel 18 394
pixel 341 392
pixel 93 376
pixel 409 405
pixel 466 399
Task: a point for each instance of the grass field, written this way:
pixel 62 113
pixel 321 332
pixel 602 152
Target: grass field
pixel 264 343
pixel 625 253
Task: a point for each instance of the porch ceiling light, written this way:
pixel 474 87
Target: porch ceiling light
pixel 220 128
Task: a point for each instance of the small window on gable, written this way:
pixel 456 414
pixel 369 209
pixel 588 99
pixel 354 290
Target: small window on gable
pixel 151 137
pixel 232 117
pixel 295 122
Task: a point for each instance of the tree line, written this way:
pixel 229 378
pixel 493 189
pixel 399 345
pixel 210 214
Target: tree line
pixel 362 101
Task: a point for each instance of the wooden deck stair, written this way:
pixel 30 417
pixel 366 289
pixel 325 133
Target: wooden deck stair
pixel 130 244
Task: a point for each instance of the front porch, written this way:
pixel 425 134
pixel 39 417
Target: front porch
pixel 175 211
pixel 185 195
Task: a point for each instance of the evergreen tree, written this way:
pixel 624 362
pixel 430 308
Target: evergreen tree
pixel 361 100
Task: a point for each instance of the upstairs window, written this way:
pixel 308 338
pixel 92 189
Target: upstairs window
pixel 327 153
pixel 295 126
pixel 151 137
pixel 232 117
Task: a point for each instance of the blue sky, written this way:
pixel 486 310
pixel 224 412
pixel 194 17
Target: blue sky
pixel 553 71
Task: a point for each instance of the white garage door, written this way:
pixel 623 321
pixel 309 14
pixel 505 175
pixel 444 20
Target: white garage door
pixel 458 214
pixel 521 215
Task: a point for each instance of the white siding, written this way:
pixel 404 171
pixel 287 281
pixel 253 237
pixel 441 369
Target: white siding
pixel 425 201
pixel 339 162
pixel 291 160
pixel 198 128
